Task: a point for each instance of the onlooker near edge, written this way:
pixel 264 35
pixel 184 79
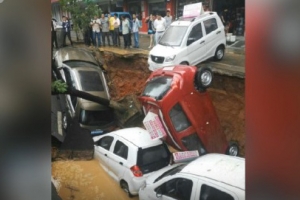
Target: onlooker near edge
pixel 66 30
pixel 125 31
pixel 53 33
pixel 151 30
pixel 168 18
pixel 116 24
pixel 160 27
pixel 135 29
pixel 111 20
pixel 96 24
pixel 105 31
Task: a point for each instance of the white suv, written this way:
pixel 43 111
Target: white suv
pixel 130 156
pixel 211 176
pixel 190 41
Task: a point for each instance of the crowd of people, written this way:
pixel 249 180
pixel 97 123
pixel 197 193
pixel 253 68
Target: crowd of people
pixel 106 30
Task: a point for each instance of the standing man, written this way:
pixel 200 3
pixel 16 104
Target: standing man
pixel 125 31
pixel 160 27
pixel 53 33
pixel 96 24
pixel 111 20
pixel 116 30
pixel 168 19
pixel 105 23
pixel 135 29
pixel 66 30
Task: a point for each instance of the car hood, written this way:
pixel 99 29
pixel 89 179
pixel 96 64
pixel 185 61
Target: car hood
pixel 160 50
pixel 156 174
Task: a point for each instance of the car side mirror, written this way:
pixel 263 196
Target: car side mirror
pixel 159 193
pixel 190 41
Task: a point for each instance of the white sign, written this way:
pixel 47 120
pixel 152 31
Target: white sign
pixel 185 156
pixel 154 126
pixel 193 10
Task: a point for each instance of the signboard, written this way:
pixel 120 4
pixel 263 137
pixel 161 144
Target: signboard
pixel 185 156
pixel 154 126
pixel 193 10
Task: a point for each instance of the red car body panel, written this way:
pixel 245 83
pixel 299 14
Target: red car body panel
pixel 197 107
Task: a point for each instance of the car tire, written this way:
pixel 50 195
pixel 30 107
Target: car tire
pixel 184 63
pixel 219 54
pixel 65 121
pixel 203 78
pixel 125 187
pixel 233 149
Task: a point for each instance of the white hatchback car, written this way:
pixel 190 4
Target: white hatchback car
pixel 211 176
pixel 129 156
pixel 189 41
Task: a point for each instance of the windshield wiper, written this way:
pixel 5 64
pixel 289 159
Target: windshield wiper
pixel 166 44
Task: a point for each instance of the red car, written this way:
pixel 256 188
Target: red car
pixel 178 96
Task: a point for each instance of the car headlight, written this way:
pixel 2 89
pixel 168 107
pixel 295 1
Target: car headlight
pixel 170 58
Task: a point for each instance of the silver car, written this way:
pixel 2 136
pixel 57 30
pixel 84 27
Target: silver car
pixel 81 71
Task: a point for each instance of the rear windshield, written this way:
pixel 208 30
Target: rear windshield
pixel 158 87
pixel 153 158
pixel 77 63
pixel 90 81
pixel 96 118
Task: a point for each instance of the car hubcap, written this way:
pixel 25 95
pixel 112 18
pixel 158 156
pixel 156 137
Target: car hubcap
pixel 206 78
pixel 124 186
pixel 233 151
pixel 219 53
pixel 65 123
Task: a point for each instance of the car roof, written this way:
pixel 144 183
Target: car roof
pixel 188 20
pixel 220 167
pixel 71 53
pixel 137 136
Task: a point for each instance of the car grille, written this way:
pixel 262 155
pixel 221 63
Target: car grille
pixel 157 59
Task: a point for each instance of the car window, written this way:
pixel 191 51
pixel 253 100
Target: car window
pixel 158 87
pixel 153 158
pixel 179 118
pixel 211 193
pixel 210 25
pixel 71 84
pixel 171 39
pixel 105 142
pixel 178 188
pixel 196 33
pixel 121 149
pixel 170 172
pixel 90 81
pixel 96 117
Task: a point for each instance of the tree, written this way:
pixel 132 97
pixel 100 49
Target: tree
pixel 82 11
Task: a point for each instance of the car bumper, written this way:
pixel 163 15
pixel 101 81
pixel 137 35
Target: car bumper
pixel 137 183
pixel 154 66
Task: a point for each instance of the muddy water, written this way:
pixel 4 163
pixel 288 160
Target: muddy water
pixel 85 180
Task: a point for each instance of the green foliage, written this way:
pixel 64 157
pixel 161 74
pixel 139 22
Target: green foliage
pixel 59 86
pixel 81 12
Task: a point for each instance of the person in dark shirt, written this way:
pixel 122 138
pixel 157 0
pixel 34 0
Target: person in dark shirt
pixel 66 30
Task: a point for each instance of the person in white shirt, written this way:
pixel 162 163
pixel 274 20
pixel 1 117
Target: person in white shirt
pixel 160 27
pixel 135 29
pixel 96 25
pixel 116 24
pixel 168 18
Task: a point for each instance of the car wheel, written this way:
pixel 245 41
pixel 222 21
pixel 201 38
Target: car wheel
pixel 233 149
pixel 204 77
pixel 219 53
pixel 65 121
pixel 125 187
pixel 184 63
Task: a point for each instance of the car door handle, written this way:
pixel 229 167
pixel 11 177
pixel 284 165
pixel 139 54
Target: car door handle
pixel 218 32
pixel 202 42
pixel 120 163
pixel 105 155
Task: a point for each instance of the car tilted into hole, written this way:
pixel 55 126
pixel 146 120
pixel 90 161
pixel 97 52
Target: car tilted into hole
pixel 212 176
pixel 178 96
pixel 130 156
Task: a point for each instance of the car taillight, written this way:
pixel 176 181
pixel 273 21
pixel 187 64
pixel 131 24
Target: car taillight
pixel 136 171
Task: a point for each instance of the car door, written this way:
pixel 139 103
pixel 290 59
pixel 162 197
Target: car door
pixel 102 148
pixel 118 156
pixel 196 45
pixel 214 35
pixel 174 187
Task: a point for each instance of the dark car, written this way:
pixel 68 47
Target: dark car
pixel 80 70
pixel 178 96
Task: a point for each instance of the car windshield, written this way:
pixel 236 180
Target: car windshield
pixel 90 81
pixel 78 63
pixel 153 158
pixel 171 172
pixel 173 36
pixel 96 118
pixel 158 87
